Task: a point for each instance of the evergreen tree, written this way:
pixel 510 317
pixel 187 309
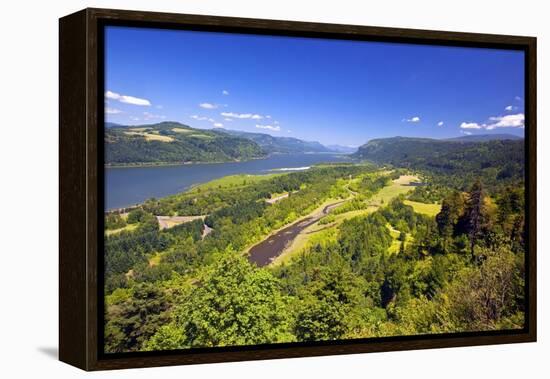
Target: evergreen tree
pixel 452 209
pixel 474 214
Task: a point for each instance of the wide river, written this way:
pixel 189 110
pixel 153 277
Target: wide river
pixel 133 185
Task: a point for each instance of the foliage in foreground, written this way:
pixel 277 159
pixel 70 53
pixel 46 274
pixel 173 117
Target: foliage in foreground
pixel 462 270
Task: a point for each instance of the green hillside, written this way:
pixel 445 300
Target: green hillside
pixel 496 161
pixel 172 142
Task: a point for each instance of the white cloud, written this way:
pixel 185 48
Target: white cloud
pixel 218 125
pixel 466 133
pixel 133 118
pixel 242 115
pixel 225 92
pixel 412 119
pixel 440 123
pixel 112 110
pixel 518 98
pixel 228 119
pixel 269 127
pixel 508 121
pixel 510 108
pixel 199 118
pixel 135 101
pixel 127 99
pixel 112 95
pixel 268 116
pixel 208 105
pixel 211 120
pixel 471 125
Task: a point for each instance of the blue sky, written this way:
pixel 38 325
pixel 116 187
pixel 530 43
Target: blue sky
pixel 334 92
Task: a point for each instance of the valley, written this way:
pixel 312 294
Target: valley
pixel 384 244
pixel 311 191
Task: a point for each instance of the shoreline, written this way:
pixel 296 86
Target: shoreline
pixel 168 164
pixel 281 169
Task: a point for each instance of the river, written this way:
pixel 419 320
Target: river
pixel 266 251
pixel 126 186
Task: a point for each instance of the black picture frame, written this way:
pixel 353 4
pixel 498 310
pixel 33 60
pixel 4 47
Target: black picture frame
pixel 81 126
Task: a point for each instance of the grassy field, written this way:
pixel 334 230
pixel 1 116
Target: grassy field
pixel 406 179
pixel 127 228
pixel 307 238
pixel 167 222
pixel 232 181
pixel 151 136
pixel 427 209
pixel 396 244
pixel 139 129
pixel 192 133
pixel 181 130
pixel 398 187
pixel 201 136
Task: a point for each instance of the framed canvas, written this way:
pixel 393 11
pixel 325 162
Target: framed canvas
pixel 242 189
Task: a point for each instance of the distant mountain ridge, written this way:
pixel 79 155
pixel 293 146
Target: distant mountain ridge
pixel 397 148
pixel 283 145
pixel 342 149
pixel 485 138
pixel 448 156
pixel 112 125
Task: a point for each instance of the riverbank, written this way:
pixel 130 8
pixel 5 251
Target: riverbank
pixel 303 238
pixel 128 186
pixel 263 253
pixel 168 164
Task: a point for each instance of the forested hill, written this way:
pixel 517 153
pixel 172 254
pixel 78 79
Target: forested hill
pixel 172 142
pixel 496 160
pixel 282 145
pixel 485 138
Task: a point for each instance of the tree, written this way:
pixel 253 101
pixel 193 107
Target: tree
pixel 475 208
pixel 333 304
pixel 232 303
pixel 114 221
pixel 135 216
pixel 483 296
pixel 452 209
pixel 133 316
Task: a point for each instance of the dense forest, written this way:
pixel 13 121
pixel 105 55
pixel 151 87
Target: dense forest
pixel 454 163
pixel 428 238
pixel 495 161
